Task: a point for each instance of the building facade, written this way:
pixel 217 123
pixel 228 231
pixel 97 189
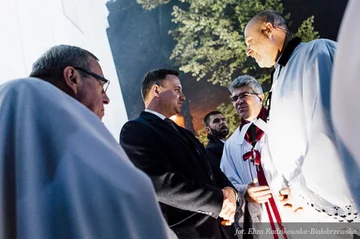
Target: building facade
pixel 29 28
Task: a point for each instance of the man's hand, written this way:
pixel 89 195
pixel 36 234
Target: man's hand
pixel 229 206
pixel 287 201
pixel 258 194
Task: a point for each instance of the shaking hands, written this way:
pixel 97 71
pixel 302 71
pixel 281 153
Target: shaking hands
pixel 229 206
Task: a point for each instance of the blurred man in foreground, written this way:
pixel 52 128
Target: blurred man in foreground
pixel 345 110
pixel 63 175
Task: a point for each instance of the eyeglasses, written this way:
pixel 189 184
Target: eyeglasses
pixel 242 96
pixel 106 82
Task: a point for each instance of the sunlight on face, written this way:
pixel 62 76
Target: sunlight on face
pixel 171 95
pixel 259 46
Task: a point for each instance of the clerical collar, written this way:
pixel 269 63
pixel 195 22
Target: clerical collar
pixel 285 56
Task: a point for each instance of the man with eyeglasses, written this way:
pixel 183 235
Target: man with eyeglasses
pixel 76 72
pixel 301 137
pixel 242 160
pixel 63 173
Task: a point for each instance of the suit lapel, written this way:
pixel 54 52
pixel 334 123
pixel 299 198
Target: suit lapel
pixel 183 136
pixel 194 144
pixel 163 125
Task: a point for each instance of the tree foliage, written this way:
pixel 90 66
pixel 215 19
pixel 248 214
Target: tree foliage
pixel 210 41
pixel 150 4
pixel 209 35
pixel 210 44
pixel 306 30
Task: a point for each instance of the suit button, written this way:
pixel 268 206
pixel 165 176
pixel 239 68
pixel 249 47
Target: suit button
pixel 212 177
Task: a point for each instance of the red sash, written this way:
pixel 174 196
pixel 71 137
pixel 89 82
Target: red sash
pixel 252 136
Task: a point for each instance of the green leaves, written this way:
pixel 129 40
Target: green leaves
pixel 150 4
pixel 306 30
pixel 209 37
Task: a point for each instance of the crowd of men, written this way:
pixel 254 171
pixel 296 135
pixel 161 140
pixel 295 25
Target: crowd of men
pixel 65 176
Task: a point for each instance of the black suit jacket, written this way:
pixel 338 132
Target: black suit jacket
pixel 187 187
pixel 214 150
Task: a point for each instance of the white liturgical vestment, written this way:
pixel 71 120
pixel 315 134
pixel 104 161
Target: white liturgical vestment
pixel 302 143
pixel 62 173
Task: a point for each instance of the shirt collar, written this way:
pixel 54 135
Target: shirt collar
pixel 241 132
pixel 289 49
pixel 155 113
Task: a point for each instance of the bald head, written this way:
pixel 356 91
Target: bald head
pixel 265 37
pixel 272 17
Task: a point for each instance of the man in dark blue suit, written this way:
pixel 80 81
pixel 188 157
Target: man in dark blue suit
pixel 192 194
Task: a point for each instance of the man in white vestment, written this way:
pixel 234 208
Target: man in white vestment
pixel 301 139
pixel 344 98
pixel 63 175
pixel 243 162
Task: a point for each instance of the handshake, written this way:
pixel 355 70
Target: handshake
pixel 229 206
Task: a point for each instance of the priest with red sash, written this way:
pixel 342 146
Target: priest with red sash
pixel 243 163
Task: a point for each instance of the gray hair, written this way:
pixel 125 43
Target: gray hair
pixel 51 64
pixel 246 80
